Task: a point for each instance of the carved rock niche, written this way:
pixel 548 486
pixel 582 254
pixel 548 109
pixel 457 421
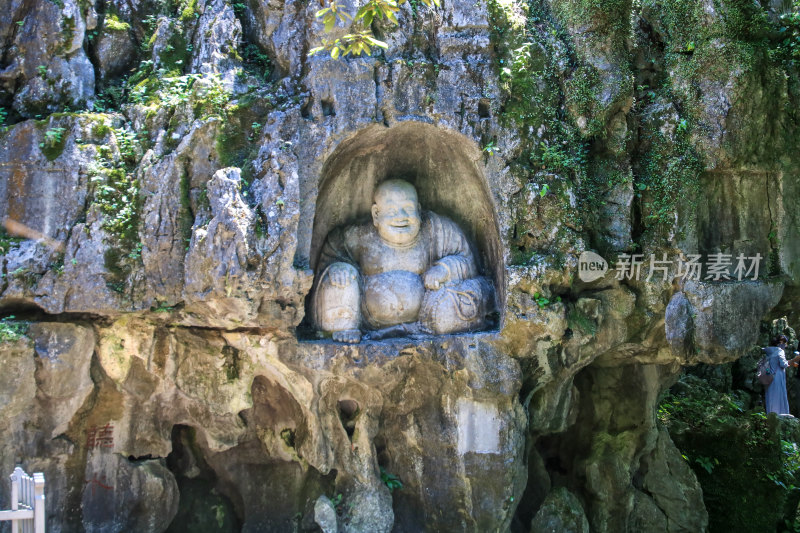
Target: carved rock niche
pixel 443 166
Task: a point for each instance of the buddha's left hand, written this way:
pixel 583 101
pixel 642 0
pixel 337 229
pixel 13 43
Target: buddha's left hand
pixel 435 277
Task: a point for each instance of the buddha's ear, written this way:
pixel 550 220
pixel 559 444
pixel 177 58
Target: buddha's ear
pixel 375 214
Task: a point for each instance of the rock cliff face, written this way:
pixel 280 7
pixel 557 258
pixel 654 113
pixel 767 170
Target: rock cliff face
pixel 178 164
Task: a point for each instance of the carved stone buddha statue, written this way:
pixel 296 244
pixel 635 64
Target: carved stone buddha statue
pixel 407 271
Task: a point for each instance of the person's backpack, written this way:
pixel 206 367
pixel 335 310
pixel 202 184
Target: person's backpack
pixel 764 372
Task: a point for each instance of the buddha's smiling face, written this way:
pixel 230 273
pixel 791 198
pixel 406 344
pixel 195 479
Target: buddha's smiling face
pixel 395 212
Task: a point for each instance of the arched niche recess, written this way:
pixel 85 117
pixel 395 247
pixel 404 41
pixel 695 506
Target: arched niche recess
pixel 442 165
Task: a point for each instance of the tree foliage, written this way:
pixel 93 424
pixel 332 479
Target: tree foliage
pixel 359 38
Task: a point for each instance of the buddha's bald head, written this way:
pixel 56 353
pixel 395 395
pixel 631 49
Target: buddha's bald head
pixel 395 212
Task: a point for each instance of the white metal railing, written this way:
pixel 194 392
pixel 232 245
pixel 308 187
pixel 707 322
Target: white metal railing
pixel 27 503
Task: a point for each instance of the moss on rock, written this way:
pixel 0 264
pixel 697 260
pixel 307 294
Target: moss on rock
pixel 745 461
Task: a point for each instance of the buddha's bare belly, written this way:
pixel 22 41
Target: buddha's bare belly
pixel 392 298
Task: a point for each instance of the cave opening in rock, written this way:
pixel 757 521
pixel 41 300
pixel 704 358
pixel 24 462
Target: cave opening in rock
pixel 202 507
pixel 348 411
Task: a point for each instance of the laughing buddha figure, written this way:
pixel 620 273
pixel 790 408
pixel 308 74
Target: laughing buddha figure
pixel 408 271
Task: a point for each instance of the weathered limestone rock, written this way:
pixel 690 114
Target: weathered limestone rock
pixel 325 515
pixel 85 267
pixel 646 515
pixel 165 31
pixel 191 381
pixel 598 38
pixel 718 322
pixel 48 189
pixel 616 216
pixel 121 495
pixel 115 48
pixel 279 26
pixel 220 256
pixel 163 253
pixel 541 218
pixel 44 183
pixel 608 441
pixel 49 68
pixel 315 407
pixel 63 356
pixel 32 417
pixel 673 487
pixel 472 415
pixel 19 386
pixel 561 511
pixel 679 325
pixel 216 38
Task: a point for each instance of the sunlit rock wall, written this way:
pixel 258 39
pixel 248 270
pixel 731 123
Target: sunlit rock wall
pixel 177 165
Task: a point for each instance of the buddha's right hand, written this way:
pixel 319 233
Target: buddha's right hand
pixel 341 275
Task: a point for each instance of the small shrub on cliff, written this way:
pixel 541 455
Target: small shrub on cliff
pixel 7 241
pixel 115 191
pixel 359 39
pixel 53 144
pixel 256 62
pixel 788 46
pixel 668 176
pixel 534 55
pixel 205 93
pixel 391 481
pixel 12 330
pixel 562 159
pixel 744 460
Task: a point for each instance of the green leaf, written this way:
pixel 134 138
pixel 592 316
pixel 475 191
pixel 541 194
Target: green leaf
pixel 376 42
